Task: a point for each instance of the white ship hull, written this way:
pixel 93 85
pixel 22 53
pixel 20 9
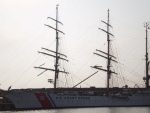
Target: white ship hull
pixel 50 99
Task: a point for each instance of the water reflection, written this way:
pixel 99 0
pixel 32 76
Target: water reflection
pixel 91 110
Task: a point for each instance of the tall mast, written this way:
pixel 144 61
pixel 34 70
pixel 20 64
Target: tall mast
pixel 109 57
pixel 57 44
pixel 146 55
pixel 57 55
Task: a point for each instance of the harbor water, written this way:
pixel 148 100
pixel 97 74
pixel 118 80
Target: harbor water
pixel 90 110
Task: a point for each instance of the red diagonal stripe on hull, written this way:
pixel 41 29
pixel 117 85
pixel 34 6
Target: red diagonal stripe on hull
pixel 43 99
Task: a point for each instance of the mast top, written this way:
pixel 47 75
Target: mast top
pixel 57 6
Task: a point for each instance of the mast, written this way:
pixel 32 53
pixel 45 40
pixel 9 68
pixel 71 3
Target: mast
pixel 109 56
pixel 146 56
pixel 57 55
pixel 57 45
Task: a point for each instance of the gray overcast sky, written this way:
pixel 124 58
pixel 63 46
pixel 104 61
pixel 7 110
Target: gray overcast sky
pixel 22 34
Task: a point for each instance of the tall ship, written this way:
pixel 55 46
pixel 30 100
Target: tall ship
pixel 74 97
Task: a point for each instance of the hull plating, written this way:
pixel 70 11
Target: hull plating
pixel 75 99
